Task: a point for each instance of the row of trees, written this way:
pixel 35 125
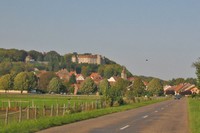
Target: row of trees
pixel 22 81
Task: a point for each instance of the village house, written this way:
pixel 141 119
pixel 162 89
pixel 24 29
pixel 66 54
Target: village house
pixel 183 89
pixel 79 78
pixel 96 77
pixel 63 74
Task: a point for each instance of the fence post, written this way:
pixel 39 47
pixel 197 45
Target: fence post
pixel 20 114
pixel 28 113
pixel 57 110
pixel 96 104
pixel 44 110
pixel 64 106
pixel 6 119
pixel 68 104
pixel 35 112
pixel 92 105
pixel 74 105
pixel 9 105
pixel 86 107
pixel 82 107
pixel 51 110
pixel 32 103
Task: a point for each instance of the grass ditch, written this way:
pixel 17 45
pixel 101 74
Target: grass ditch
pixel 194 114
pixel 31 126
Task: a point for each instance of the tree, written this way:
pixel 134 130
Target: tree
pixel 121 85
pixel 55 85
pixel 33 81
pixel 88 86
pixel 155 87
pixel 36 55
pixel 108 71
pixel 54 59
pixel 21 82
pixel 197 66
pixel 72 79
pixel 44 80
pixel 85 71
pixel 138 87
pixel 5 68
pixel 104 87
pixel 6 82
pixel 115 93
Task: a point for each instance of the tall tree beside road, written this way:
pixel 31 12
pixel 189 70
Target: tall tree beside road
pixel 104 87
pixel 138 87
pixel 6 82
pixel 155 87
pixel 197 66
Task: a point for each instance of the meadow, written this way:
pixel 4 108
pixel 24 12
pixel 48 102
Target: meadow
pixel 194 114
pixel 20 107
pixel 33 125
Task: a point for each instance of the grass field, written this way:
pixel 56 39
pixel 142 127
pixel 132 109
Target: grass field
pixel 40 100
pixel 29 103
pixel 30 126
pixel 194 114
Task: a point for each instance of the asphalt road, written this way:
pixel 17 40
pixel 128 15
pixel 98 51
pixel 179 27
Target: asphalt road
pixel 166 117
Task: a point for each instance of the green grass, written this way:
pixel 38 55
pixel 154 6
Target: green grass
pixel 43 123
pixel 25 100
pixel 194 115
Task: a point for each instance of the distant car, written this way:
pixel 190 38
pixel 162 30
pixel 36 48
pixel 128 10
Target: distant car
pixel 177 97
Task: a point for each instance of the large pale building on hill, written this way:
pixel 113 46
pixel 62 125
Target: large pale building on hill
pixel 88 58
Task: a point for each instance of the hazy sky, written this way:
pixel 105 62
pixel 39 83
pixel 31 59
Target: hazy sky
pixel 166 32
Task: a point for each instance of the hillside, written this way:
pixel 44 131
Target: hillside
pixel 15 61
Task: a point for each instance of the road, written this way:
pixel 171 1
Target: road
pixel 166 117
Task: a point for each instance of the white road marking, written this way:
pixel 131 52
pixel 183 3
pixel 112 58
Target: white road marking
pixel 145 116
pixel 124 127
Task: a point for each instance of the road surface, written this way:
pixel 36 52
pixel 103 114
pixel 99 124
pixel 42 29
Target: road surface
pixel 166 117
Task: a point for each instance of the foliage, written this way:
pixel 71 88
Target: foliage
pixel 38 56
pixel 44 80
pixel 197 66
pixel 85 71
pixel 6 82
pixel 21 82
pixel 72 79
pixel 5 68
pixel 13 55
pixel 33 80
pixel 55 85
pixel 104 87
pixel 14 67
pixel 54 59
pixel 88 86
pixel 138 87
pixel 155 87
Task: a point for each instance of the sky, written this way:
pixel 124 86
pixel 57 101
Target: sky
pixel 129 32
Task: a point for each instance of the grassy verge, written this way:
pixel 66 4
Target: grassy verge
pixel 43 123
pixel 194 115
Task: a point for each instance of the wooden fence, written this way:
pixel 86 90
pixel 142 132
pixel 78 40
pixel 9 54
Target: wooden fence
pixel 19 114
